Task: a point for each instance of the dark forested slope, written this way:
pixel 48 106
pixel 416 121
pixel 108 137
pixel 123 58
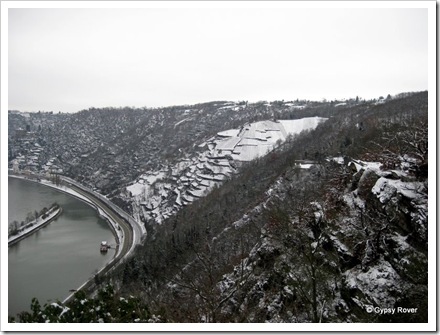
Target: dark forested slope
pixel 278 242
pixel 283 244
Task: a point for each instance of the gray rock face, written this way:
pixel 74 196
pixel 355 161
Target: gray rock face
pixel 371 256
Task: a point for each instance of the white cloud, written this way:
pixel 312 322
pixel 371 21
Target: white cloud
pixel 71 59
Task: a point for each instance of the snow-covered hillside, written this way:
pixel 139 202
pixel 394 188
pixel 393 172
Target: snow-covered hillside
pixel 372 246
pixel 156 195
pixel 257 139
pixel 329 226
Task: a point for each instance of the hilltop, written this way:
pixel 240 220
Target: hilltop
pixel 282 212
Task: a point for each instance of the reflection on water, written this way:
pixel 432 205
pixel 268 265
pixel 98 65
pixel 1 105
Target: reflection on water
pixel 60 256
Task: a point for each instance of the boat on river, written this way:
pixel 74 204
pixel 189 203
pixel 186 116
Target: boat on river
pixel 104 246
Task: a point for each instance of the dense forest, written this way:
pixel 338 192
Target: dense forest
pixel 279 243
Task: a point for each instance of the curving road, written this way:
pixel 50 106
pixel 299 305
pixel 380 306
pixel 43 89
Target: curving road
pixel 128 241
pixel 132 230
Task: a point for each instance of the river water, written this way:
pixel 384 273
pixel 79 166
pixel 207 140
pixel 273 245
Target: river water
pixel 58 257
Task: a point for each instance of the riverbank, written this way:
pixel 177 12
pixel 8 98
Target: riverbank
pixel 59 258
pixel 117 219
pixel 35 225
pixel 119 236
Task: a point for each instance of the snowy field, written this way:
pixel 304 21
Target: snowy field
pixel 195 177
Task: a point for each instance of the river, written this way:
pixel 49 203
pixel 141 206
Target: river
pixel 58 257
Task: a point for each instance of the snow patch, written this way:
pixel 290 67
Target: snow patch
pixel 385 188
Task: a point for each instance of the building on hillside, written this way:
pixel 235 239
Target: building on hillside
pixel 15 166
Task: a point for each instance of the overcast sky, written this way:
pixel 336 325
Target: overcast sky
pixel 71 59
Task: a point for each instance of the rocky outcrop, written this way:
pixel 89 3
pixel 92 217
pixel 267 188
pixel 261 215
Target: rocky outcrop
pixel 371 257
